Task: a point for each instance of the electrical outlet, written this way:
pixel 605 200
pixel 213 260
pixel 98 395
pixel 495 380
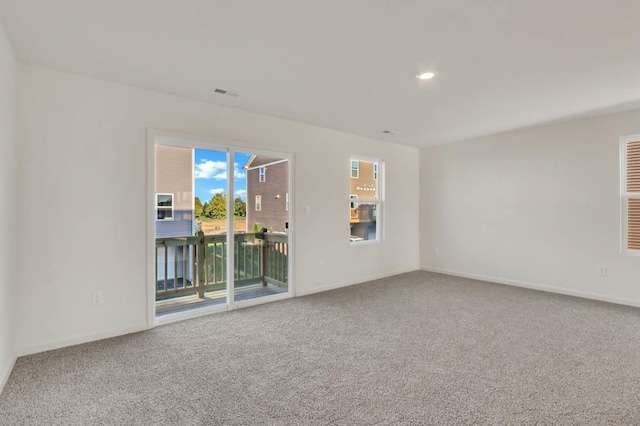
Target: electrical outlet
pixel 96 298
pixel 602 271
pixel 307 210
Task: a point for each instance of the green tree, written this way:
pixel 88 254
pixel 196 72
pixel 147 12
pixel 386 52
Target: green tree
pixel 206 209
pixel 198 207
pixel 239 207
pixel 218 206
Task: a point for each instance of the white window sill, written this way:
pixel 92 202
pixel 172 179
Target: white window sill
pixel 365 243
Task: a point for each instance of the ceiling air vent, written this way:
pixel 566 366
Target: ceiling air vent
pixel 226 93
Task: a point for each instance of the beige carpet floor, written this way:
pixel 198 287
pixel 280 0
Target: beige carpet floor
pixel 419 348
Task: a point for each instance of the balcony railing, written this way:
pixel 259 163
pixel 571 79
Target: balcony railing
pixel 363 213
pixel 197 265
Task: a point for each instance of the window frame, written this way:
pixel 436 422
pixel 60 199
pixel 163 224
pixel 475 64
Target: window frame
pixel 357 168
pixel 377 200
pixel 354 203
pixel 262 174
pixel 258 203
pixel 172 207
pixel 375 171
pixel 626 196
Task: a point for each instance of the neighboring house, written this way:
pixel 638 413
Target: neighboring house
pixel 364 185
pixel 267 193
pixel 174 202
pixel 174 192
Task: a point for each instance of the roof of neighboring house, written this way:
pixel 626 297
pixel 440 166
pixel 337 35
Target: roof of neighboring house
pixel 261 160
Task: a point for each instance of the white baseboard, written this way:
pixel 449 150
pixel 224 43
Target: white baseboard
pixel 79 339
pixel 353 282
pixel 540 287
pixel 4 375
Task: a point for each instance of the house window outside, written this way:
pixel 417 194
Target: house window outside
pixel 262 174
pixel 164 206
pixel 355 169
pixel 630 194
pixel 365 201
pixel 258 203
pixel 353 203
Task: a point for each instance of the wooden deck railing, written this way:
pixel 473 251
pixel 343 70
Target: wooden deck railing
pixel 190 265
pixel 363 213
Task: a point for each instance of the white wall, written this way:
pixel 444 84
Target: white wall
pixel 537 207
pixel 8 201
pixel 84 208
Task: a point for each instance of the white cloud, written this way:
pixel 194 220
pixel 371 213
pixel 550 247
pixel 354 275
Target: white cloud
pixel 208 169
pixel 215 191
pixel 237 173
pixel 241 193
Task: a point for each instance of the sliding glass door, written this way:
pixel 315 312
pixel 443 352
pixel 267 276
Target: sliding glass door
pixel 222 227
pixel 261 252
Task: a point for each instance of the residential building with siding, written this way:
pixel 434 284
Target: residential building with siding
pixel 267 193
pixel 174 178
pixel 174 199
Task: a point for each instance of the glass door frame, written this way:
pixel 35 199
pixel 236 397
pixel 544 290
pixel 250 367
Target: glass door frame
pixel 159 137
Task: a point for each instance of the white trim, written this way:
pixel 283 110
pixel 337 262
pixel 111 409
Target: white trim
pixel 625 196
pixel 354 282
pixel 4 375
pixel 264 299
pixel 79 339
pixel 216 309
pixel 231 229
pixel 265 164
pixel 191 313
pixel 539 287
pixel 193 192
pixel 365 242
pixel 151 228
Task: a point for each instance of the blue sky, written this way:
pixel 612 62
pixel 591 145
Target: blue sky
pixel 211 174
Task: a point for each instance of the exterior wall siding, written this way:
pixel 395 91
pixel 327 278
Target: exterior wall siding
pixel 174 175
pixel 273 192
pixel 364 179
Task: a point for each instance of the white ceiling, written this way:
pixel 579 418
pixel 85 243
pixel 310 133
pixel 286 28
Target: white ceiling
pixel 350 65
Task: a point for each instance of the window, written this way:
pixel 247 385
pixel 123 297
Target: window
pixel 164 206
pixel 630 191
pixel 262 176
pixel 355 169
pixel 286 202
pixel 353 203
pixel 258 203
pixel 365 201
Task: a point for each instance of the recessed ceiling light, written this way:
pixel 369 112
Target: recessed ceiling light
pixel 426 75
